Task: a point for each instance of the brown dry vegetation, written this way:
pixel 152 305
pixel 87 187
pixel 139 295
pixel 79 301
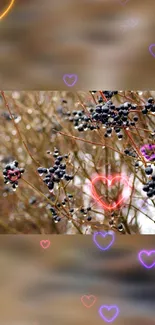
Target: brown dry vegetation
pixel 41 126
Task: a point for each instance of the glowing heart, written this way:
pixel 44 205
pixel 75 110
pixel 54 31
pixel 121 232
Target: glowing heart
pixel 152 50
pixel 145 149
pixel 70 79
pixel 109 308
pixel 88 301
pixel 103 235
pixel 110 181
pixel 148 254
pixel 6 11
pixel 45 243
pixel 13 175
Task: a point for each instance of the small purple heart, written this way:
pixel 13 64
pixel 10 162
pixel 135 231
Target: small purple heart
pixel 148 147
pixel 148 253
pixel 72 78
pixel 103 235
pixel 108 308
pixel 150 49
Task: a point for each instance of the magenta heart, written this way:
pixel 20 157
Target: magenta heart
pixel 45 243
pixel 13 175
pixel 149 147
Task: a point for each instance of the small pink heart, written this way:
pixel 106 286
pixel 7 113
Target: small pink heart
pixel 88 301
pixel 45 243
pixel 13 175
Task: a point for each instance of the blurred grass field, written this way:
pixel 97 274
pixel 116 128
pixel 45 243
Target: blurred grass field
pixel 40 41
pixel 46 286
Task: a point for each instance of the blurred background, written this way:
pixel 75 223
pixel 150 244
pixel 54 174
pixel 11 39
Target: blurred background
pixel 41 287
pixel 41 124
pixel 104 42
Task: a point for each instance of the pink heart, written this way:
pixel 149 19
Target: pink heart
pixel 110 181
pixel 45 243
pixel 13 175
pixel 88 301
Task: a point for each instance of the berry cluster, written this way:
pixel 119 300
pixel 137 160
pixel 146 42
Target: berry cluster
pixel 149 187
pixel 56 173
pixel 85 213
pixel 116 222
pixel 149 106
pixel 12 174
pixel 55 215
pixel 56 218
pixel 8 117
pixel 108 94
pixel 105 115
pixel 130 152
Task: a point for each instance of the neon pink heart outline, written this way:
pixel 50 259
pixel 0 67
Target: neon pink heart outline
pixel 109 180
pixel 12 177
pixel 44 242
pixel 88 297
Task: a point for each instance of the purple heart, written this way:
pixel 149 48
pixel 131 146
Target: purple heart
pixel 108 308
pixel 148 253
pixel 70 76
pixel 150 49
pixel 148 147
pixel 103 235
